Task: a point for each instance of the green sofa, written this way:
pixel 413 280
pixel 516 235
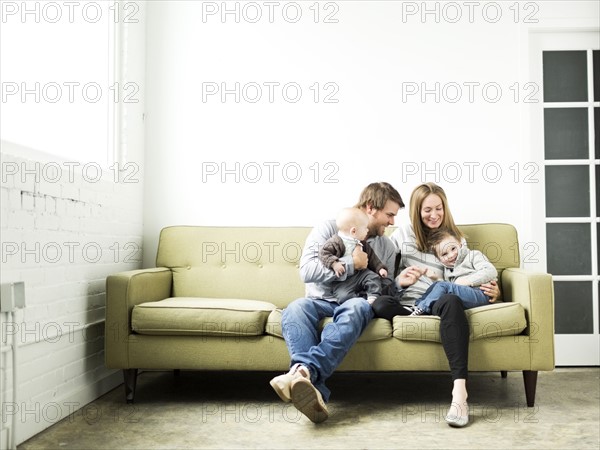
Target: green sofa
pixel 214 302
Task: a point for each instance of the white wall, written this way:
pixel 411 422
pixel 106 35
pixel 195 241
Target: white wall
pixel 62 234
pixel 474 143
pixel 67 223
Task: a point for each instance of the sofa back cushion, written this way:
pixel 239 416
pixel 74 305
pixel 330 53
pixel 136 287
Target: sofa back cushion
pixel 262 263
pixel 498 241
pixel 255 263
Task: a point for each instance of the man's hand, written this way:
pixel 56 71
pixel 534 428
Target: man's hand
pixel 338 268
pixel 383 273
pixel 410 275
pixel 492 290
pixel 360 258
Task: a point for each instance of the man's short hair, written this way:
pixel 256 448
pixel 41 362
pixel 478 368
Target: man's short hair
pixel 376 195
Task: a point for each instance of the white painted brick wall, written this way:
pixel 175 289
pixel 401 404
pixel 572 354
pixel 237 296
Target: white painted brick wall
pixel 61 235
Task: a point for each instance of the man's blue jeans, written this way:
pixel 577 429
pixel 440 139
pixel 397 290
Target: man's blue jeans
pixel 323 352
pixel 469 296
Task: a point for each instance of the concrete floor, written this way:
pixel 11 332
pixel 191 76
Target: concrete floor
pixel 403 410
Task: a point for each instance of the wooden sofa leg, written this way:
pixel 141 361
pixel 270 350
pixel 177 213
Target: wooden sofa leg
pixel 503 373
pixel 130 379
pixel 530 381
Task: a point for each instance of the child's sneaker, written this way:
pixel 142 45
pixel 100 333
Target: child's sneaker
pixel 418 312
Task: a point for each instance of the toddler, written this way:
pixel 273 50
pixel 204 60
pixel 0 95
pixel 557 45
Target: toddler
pixel 464 271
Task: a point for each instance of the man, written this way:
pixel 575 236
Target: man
pixel 314 357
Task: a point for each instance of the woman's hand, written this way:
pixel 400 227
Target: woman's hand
pixel 409 276
pixel 492 290
pixel 431 275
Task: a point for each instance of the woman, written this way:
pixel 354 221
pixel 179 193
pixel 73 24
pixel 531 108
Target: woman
pixel 429 211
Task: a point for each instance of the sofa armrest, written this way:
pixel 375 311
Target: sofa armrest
pixel 535 291
pixel 123 291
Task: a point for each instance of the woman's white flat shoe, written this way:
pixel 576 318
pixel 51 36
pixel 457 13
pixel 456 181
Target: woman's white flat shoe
pixel 458 421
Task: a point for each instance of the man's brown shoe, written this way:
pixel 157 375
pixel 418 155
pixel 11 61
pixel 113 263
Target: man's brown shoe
pixel 308 400
pixel 282 384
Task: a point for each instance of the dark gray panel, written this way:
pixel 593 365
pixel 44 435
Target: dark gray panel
pixel 597 129
pixel 598 197
pixel 573 307
pixel 567 191
pixel 569 248
pixel 596 54
pixel 566 133
pixel 565 76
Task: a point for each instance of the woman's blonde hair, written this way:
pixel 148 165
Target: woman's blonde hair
pixel 418 196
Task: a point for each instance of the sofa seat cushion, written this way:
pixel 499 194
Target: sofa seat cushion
pixel 485 322
pixel 377 329
pixel 201 317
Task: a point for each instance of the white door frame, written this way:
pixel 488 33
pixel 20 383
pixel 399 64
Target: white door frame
pixel 571 349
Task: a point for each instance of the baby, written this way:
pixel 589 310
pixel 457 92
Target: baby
pixel 352 224
pixel 464 271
